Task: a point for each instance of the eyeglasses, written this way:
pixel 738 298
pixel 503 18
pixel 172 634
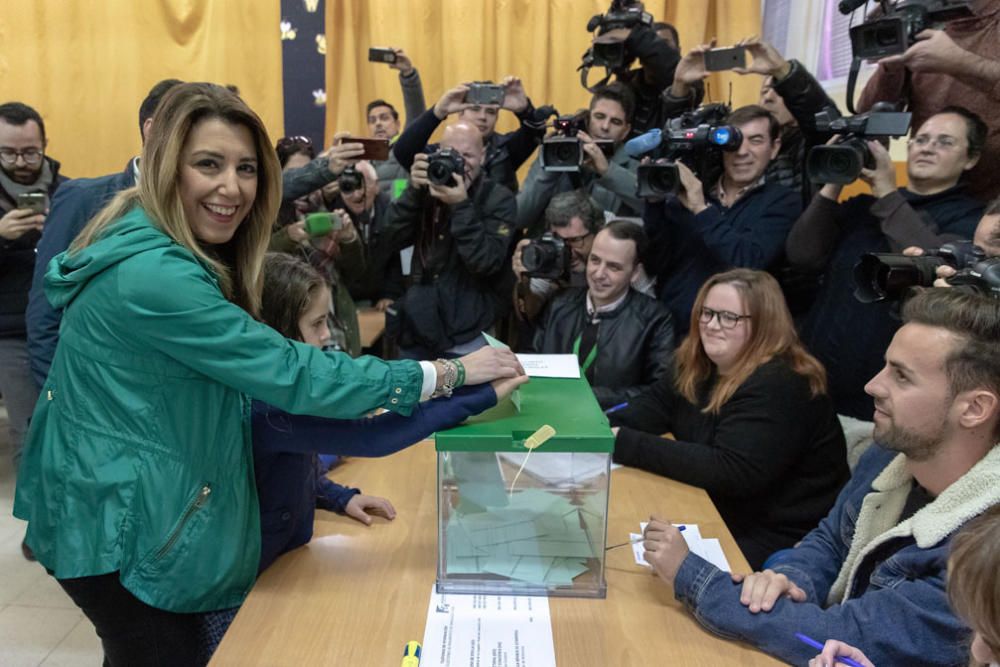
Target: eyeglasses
pixel 31 156
pixel 727 320
pixel 943 142
pixel 576 241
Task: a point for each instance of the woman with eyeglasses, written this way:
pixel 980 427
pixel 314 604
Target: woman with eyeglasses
pixel 748 417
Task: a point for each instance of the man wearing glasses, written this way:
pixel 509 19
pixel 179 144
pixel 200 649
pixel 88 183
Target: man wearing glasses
pixel 830 237
pixel 28 178
pixel 623 339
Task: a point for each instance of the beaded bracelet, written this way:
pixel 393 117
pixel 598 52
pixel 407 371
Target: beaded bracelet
pixel 460 367
pixel 448 379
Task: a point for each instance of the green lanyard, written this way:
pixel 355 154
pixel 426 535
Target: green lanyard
pixel 590 357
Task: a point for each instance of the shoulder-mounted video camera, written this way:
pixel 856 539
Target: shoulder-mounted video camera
pixel 887 277
pixel 563 150
pixel 842 162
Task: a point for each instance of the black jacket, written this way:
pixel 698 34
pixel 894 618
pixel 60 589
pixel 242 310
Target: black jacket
pixel 461 277
pixel 17 264
pixel 382 276
pixel 773 460
pixel 635 342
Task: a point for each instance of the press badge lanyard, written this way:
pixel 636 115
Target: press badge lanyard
pixel 590 356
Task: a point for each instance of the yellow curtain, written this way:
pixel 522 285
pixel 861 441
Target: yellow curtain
pixel 541 41
pixel 86 66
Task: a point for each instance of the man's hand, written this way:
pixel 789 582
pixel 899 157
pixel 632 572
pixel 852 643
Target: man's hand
pixel 596 160
pixel 515 261
pixel 934 51
pixel 514 97
pixel 403 63
pixel 343 154
pixel 451 102
pixel 690 69
pixel 297 232
pixel 767 61
pixel 418 172
pixel 882 178
pixel 365 508
pixel 382 304
pixel 450 194
pixel 692 193
pixel 762 589
pixel 19 221
pixel 665 548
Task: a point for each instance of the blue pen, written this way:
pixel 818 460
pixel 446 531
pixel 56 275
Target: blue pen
pixel 819 647
pixel 615 408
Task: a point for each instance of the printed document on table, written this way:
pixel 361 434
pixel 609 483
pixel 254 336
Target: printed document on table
pixel 550 365
pixel 708 548
pixel 487 630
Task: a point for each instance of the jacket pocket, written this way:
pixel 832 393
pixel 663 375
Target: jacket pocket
pixel 190 511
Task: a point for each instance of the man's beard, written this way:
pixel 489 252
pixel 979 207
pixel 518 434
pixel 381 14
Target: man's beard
pixel 25 176
pixel 916 447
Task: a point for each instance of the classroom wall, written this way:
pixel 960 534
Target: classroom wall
pixel 86 65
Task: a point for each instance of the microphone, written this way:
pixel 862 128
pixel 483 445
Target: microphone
pixel 848 6
pixel 644 143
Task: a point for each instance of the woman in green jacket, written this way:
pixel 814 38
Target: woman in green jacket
pixel 137 482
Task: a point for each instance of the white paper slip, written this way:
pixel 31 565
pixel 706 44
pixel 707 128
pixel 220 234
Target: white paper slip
pixel 550 365
pixel 486 630
pixel 709 549
pixel 560 470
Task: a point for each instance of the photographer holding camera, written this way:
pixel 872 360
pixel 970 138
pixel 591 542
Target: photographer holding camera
pixel 461 225
pixel 558 259
pixel 829 237
pixel 627 33
pixel 383 119
pixel 505 153
pixel 609 180
pixel 624 340
pixel 738 219
pixel 958 62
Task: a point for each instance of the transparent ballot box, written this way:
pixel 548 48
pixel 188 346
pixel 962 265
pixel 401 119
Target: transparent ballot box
pixel 520 522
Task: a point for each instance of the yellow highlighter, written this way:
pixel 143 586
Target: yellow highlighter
pixel 411 654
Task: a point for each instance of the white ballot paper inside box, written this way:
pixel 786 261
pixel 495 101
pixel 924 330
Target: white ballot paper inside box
pixel 487 630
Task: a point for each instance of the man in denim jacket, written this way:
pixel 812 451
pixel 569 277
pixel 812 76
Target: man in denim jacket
pixel 873 573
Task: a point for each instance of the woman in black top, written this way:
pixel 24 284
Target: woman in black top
pixel 748 409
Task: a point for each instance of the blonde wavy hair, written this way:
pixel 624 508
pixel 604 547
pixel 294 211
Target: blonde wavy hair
pixel 772 335
pixel 237 263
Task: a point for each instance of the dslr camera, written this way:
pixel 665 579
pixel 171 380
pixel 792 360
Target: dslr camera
pixel 899 24
pixel 563 151
pixel 547 257
pixel 445 167
pixel 608 53
pixel 841 163
pixel 350 180
pixel 887 277
pixel 692 134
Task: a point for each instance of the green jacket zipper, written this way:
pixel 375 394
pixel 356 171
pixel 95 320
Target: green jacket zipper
pixel 192 507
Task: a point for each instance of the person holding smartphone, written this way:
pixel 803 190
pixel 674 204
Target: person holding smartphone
pixel 28 179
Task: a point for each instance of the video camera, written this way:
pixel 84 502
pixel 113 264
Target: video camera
pixel 899 24
pixel 887 277
pixel 842 162
pixel 563 151
pixel 694 132
pixel 610 53
pixel 547 257
pixel 445 166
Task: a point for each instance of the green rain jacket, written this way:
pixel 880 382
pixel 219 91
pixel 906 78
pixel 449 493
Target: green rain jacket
pixel 138 459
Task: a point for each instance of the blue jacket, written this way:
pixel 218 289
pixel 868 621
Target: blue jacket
pixel 283 447
pixel 685 249
pixel 75 203
pixel 872 581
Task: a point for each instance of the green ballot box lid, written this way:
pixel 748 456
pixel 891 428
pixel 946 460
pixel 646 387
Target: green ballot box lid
pixel 567 405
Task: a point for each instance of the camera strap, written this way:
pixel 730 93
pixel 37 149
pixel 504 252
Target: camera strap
pixel 852 80
pixel 585 74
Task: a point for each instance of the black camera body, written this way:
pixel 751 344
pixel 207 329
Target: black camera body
pixel 350 180
pixel 563 151
pixel 693 132
pixel 888 276
pixel 445 166
pixel 547 257
pixel 621 14
pixel 897 29
pixel 983 277
pixel 841 163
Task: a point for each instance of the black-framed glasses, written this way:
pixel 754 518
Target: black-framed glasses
pixel 576 241
pixel 31 156
pixel 727 319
